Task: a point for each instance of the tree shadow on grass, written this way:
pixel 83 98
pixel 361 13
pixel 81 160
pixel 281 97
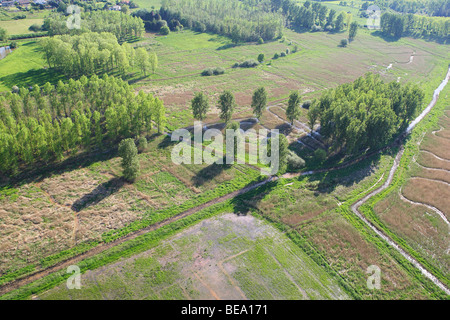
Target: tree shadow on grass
pixel 32 77
pixel 165 143
pixel 347 176
pixel 284 128
pixel 428 38
pixel 100 193
pixel 209 173
pixel 39 171
pixel 245 202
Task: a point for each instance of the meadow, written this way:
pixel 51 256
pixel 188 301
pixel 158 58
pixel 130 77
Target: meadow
pixel 19 26
pixel 290 239
pixel 218 258
pixel 68 209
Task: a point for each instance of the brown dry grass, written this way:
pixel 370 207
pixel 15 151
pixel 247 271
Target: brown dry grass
pixel 420 226
pixel 427 160
pixel 437 145
pixel 434 193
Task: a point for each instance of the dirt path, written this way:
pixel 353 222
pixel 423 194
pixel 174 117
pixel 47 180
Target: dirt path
pixel 230 278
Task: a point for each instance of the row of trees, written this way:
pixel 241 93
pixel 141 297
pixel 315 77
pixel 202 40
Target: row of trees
pixel 120 24
pixel 226 104
pixel 438 8
pixel 47 123
pixel 398 25
pixel 153 22
pixel 93 52
pixel 365 113
pixel 240 20
pixel 311 15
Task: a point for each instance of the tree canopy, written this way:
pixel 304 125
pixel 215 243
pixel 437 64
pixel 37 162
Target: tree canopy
pixel 366 113
pixel 50 122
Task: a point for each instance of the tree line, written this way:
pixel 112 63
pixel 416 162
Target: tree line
pixel 240 20
pixel 48 123
pixel 398 25
pixel 311 16
pixel 92 52
pixel 120 24
pixel 365 113
pixel 437 8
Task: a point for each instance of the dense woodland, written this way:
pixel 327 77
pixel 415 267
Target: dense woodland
pixel 92 52
pixel 399 25
pixel 120 24
pixel 311 15
pixel 246 20
pixel 45 124
pixel 365 113
pixel 437 8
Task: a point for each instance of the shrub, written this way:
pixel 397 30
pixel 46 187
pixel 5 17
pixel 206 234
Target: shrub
pixel 164 30
pixel 295 49
pixel 218 71
pixel 28 35
pixel 15 89
pixel 294 161
pixel 236 65
pixel 316 28
pixel 320 155
pixel 22 16
pixel 249 64
pixel 306 104
pixel 142 144
pixel 276 56
pixel 261 57
pixel 283 54
pixel 35 28
pixel 343 43
pixel 288 51
pixel 13 45
pixel 199 27
pixel 208 72
pixel 260 40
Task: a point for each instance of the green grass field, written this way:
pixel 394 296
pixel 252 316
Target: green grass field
pixel 148 4
pixel 25 66
pixel 19 26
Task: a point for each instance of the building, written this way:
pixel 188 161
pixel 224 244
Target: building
pixel 7 3
pixel 115 8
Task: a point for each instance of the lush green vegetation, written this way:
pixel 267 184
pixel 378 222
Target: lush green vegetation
pixel 367 113
pixel 92 52
pixel 239 20
pixel 398 25
pixel 44 124
pixel 122 25
pixel 439 8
